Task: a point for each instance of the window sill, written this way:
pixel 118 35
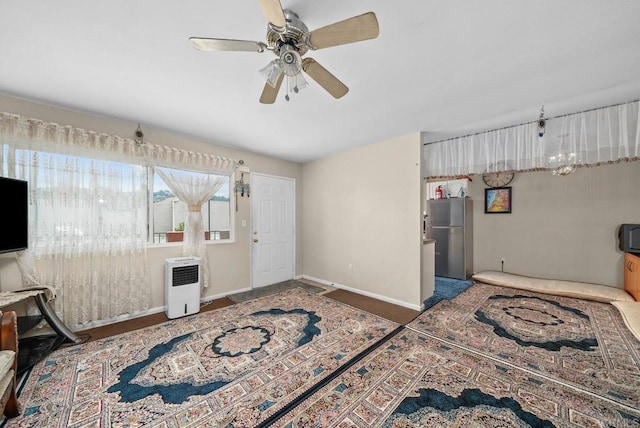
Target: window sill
pixel 179 244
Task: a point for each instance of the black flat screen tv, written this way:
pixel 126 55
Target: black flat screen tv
pixel 15 213
pixel 629 238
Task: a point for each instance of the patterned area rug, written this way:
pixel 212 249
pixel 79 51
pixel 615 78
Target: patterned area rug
pixel 230 367
pixel 583 343
pixel 416 381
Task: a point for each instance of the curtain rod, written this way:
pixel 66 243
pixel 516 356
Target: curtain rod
pixel 531 121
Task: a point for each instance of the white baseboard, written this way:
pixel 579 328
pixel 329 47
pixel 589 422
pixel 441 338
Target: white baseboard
pixel 365 293
pixel 221 295
pixel 151 311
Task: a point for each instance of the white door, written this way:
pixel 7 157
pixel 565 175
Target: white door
pixel 272 220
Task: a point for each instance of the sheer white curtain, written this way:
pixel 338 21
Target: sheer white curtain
pixel 89 230
pixel 595 137
pixel 88 233
pixel 194 189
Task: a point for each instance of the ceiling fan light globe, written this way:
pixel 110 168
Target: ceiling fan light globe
pixel 297 83
pixel 271 72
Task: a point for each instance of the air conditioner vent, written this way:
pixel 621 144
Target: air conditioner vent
pixel 184 275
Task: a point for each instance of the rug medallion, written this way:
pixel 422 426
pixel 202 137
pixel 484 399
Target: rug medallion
pixel 234 366
pixel 581 342
pixel 416 381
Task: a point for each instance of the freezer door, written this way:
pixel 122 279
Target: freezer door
pixel 446 212
pixel 449 251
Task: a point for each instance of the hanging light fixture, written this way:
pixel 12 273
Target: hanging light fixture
pixel 271 72
pixel 290 64
pixel 295 84
pixel 240 186
pixel 564 162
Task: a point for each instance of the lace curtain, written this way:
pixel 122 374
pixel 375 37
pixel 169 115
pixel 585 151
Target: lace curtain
pixel 24 132
pixel 595 137
pixel 88 235
pixel 194 189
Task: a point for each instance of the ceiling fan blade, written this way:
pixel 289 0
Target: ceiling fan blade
pixel 269 93
pixel 272 11
pixel 206 44
pixel 325 79
pixel 358 28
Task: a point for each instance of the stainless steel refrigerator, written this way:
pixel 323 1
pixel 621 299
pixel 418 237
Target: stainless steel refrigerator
pixel 449 222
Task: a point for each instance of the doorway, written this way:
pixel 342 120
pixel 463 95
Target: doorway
pixel 273 229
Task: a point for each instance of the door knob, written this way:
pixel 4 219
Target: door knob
pixel 255 239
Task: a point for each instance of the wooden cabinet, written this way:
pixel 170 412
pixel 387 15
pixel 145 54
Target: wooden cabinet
pixel 632 275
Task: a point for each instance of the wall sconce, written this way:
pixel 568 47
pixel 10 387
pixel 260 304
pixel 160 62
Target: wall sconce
pixel 241 186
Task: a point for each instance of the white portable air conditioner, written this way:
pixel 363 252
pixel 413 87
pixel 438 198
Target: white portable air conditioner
pixel 182 286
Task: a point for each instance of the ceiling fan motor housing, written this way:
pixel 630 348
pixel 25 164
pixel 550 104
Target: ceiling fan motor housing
pixel 295 35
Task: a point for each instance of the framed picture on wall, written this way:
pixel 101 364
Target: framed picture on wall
pixel 497 200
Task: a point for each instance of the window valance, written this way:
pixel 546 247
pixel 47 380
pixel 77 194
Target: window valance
pixel 28 133
pixel 589 138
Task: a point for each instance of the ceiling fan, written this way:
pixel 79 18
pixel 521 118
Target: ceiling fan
pixel 289 39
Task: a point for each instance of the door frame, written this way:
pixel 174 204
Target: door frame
pixel 254 189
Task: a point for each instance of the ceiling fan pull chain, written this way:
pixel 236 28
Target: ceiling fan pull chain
pixel 290 79
pixel 286 96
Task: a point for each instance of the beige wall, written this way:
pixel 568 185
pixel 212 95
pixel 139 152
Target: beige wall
pixel 229 263
pixel 362 208
pixel 560 227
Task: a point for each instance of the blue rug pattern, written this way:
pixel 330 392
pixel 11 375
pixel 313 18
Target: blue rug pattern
pixel 446 289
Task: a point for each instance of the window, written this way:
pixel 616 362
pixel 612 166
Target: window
pixel 79 204
pixel 169 213
pixel 82 199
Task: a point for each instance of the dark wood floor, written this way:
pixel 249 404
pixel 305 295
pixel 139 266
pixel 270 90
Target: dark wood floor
pixel 386 310
pixel 145 321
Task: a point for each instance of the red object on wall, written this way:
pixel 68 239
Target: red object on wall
pixel 439 192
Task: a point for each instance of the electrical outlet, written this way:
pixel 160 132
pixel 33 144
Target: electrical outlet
pixel 501 259
pixel 350 267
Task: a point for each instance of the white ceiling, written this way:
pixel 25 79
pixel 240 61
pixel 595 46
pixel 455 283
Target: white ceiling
pixel 447 68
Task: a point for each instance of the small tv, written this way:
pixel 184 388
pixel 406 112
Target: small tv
pixel 15 213
pixel 629 238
